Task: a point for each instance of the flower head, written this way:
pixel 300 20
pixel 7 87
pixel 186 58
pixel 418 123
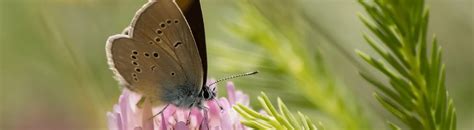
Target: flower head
pixel 127 116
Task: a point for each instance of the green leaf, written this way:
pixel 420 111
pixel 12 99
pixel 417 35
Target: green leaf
pixel 417 94
pixel 287 113
pixel 275 119
pixel 286 38
pixel 393 126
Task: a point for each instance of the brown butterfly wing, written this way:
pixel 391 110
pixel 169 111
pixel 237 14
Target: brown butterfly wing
pixel 193 14
pixel 166 55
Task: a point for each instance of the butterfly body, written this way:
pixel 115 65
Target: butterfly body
pixel 159 57
pixel 182 96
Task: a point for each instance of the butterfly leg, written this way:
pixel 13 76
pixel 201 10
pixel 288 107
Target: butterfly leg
pixel 189 117
pixel 219 104
pixel 205 122
pixel 189 114
pixel 161 111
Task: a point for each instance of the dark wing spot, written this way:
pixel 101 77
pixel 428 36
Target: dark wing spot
pixel 176 21
pixel 134 75
pixel 158 31
pixel 172 73
pixel 134 52
pixel 150 42
pixel 134 63
pixel 138 70
pixel 155 54
pixel 176 45
pixel 146 54
pixel 162 25
pixel 135 78
pixel 157 39
pixel 134 57
pixel 168 21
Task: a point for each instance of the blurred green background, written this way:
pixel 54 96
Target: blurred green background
pixel 53 71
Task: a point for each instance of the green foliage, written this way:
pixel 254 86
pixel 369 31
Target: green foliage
pixel 282 35
pixel 417 95
pixel 274 119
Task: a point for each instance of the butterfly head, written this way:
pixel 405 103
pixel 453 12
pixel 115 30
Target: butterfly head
pixel 185 97
pixel 208 93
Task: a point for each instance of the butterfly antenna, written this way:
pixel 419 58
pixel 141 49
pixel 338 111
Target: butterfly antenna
pixel 234 76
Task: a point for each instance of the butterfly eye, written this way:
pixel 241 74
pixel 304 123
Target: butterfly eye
pixel 206 95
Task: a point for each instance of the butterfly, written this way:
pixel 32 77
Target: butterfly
pixel 162 55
